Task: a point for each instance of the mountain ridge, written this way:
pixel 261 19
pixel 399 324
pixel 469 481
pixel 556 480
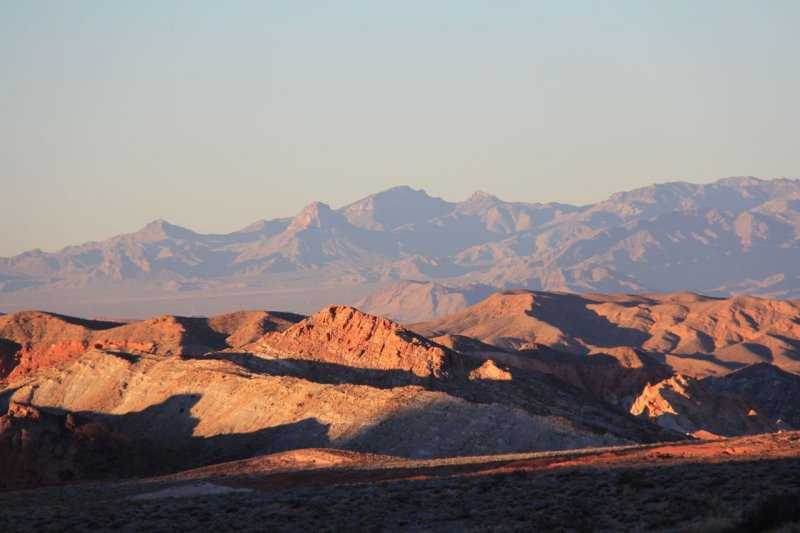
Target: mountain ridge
pixel 735 235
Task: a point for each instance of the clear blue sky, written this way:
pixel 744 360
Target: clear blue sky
pixel 216 114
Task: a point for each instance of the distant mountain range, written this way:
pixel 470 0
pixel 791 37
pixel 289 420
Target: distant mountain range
pixel 736 235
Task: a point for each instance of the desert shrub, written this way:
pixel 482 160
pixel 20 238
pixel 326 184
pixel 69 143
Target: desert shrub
pixel 770 512
pixel 637 479
pixel 711 524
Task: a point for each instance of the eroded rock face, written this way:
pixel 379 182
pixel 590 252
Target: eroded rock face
pixel 8 356
pixel 489 370
pixel 771 392
pixel 757 399
pixel 343 335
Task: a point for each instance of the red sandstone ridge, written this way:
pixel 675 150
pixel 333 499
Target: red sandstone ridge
pixel 43 339
pixel 32 340
pixel 346 336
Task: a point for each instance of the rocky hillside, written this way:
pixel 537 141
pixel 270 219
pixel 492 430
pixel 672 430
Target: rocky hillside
pixel 345 336
pixel 339 379
pixel 757 399
pixel 520 371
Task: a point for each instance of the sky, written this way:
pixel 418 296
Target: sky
pixel 213 114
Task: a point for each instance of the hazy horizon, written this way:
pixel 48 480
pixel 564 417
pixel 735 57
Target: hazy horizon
pixel 213 116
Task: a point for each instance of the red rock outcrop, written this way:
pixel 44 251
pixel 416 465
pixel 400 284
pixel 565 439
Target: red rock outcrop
pixel 33 357
pixel 346 336
pixel 44 339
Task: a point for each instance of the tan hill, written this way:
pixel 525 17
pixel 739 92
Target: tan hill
pixel 414 301
pixel 173 335
pixel 42 328
pixel 692 334
pixel 343 335
pixel 616 375
pixel 39 339
pixel 244 327
pixel 773 393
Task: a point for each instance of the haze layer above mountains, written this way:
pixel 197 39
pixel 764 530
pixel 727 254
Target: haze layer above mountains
pixel 404 254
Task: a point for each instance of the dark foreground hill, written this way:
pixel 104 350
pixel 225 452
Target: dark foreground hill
pixel 732 485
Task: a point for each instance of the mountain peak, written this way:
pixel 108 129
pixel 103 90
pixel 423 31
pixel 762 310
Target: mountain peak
pixel 478 202
pixel 402 189
pixel 394 207
pixel 161 230
pixel 740 181
pixel 481 195
pixel 314 215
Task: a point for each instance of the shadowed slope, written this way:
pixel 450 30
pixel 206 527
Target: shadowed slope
pixel 39 448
